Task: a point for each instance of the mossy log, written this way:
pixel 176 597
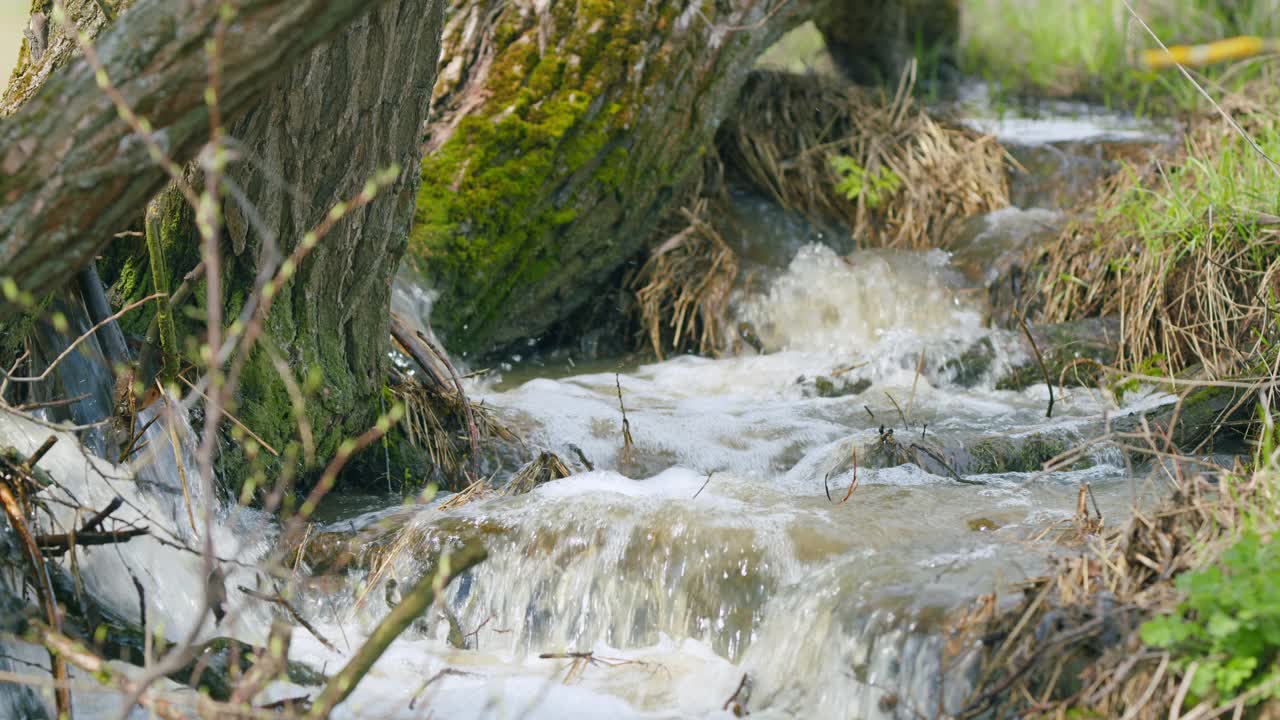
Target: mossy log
pixel 561 132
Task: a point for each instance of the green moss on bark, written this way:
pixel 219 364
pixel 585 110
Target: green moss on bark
pixel 549 161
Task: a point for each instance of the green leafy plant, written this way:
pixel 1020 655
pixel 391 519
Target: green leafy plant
pixel 856 182
pixel 1229 622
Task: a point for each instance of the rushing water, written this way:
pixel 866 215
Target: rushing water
pixel 718 545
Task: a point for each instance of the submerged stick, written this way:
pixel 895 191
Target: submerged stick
pixel 945 466
pixel 627 442
pixel 1039 359
pixel 44 590
pixel 414 603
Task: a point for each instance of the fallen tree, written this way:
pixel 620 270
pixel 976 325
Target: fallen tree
pixel 561 134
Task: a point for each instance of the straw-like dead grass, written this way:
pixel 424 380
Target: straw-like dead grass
pixel 1071 647
pixel 435 421
pixel 880 164
pixel 682 290
pixel 1185 250
pixel 833 152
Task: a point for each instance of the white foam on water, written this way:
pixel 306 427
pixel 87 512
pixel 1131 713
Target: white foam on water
pixel 171 575
pixel 712 551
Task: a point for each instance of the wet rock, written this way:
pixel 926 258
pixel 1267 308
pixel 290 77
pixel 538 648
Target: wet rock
pixel 983 525
pixel 886 451
pixel 960 459
pixel 1208 418
pixel 972 366
pixel 1073 352
pixel 1001 454
pixel 839 386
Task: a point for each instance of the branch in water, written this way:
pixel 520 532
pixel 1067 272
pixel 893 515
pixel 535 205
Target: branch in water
pixel 415 602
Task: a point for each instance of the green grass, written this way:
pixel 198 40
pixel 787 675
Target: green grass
pixel 1225 630
pixel 1091 49
pixel 1171 211
pixel 1183 250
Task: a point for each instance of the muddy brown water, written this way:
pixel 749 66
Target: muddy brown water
pixel 711 550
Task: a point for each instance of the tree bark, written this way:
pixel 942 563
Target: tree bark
pixel 873 40
pixel 561 131
pixel 72 173
pixel 347 109
pixel 354 107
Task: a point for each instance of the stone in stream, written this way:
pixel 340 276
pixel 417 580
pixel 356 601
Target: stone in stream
pixel 991 454
pixel 1207 418
pixel 1074 353
pixel 831 386
pixel 363 548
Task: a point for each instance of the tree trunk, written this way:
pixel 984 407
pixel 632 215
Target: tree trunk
pixel 873 40
pixel 351 107
pixel 72 173
pixel 561 131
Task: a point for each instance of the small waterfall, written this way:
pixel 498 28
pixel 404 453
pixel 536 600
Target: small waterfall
pixel 741 533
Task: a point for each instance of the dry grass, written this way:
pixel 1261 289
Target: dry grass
pixel 1183 250
pixel 1071 648
pixel 682 290
pixel 791 138
pixel 791 129
pixel 435 421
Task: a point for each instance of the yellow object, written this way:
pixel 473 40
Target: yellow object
pixel 1234 48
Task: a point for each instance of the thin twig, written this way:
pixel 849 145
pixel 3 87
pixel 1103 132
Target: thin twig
pixel 911 401
pixel 278 599
pixel 58 543
pixel 411 606
pixel 853 484
pixel 234 419
pixel 85 336
pixel 32 461
pixel 945 466
pixel 704 484
pixel 627 442
pixel 101 516
pixel 44 589
pixel 1039 359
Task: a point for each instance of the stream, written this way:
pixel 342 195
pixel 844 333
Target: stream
pixel 719 544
